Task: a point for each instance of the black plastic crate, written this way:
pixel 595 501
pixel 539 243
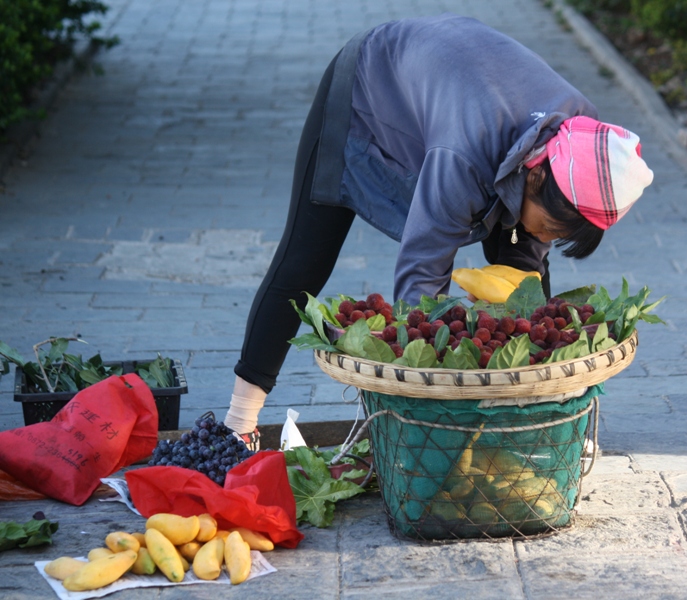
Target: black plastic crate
pixel 43 406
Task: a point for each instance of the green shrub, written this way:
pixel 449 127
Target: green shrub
pixel 34 36
pixel 664 17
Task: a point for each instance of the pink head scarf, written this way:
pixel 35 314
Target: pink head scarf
pixel 597 166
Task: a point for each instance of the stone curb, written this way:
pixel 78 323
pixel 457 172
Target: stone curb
pixel 658 113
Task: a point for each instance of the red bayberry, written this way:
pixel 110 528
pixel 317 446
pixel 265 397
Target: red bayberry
pixel 389 333
pixel 487 321
pixel 369 313
pixel 360 305
pixel 477 342
pixel 462 334
pixel 398 351
pixel 546 322
pixel 559 322
pixel 458 313
pixel 435 326
pixel 484 357
pixel 540 356
pixel 551 310
pixel 538 332
pixel 456 326
pixel 387 314
pixel 341 318
pixel 415 317
pixel 346 307
pixel 483 334
pixel 506 325
pixel 587 308
pixel 375 302
pixel 522 326
pixel 426 329
pixel 566 337
pixel 356 315
pixel 500 336
pixel 552 336
pixel 584 316
pixel 414 334
pixel 494 344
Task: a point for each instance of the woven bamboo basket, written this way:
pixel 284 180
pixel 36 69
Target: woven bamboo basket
pixel 534 381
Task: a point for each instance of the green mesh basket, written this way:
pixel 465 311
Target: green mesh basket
pixel 450 469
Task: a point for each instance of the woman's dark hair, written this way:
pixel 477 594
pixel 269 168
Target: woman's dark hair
pixel 579 236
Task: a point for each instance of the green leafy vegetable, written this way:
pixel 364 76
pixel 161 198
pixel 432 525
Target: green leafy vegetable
pixel 35 532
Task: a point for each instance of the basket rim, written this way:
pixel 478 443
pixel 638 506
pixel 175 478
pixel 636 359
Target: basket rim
pixel 532 380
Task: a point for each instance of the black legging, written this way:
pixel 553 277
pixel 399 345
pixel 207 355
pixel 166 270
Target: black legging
pixel 304 260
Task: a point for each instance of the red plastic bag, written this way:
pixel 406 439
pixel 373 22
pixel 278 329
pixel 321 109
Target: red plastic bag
pixel 103 428
pixel 256 495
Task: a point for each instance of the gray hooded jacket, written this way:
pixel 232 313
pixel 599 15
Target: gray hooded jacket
pixel 426 127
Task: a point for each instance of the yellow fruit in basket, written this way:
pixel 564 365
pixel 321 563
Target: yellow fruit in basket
pixel 511 274
pixel 483 285
pixel 255 539
pixel 63 567
pixel 482 513
pixel 445 508
pixel 207 528
pixel 144 565
pixel 189 550
pixel 544 508
pixel 176 529
pixel 514 511
pixel 118 541
pixel 100 572
pixel 534 487
pixel 462 487
pixel 497 461
pixel 207 563
pixel 165 555
pixel 237 558
pixel 97 553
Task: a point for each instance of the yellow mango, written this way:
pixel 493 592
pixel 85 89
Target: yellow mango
pixel 63 567
pixel 101 572
pixel 222 533
pixel 208 528
pixel 189 549
pixel 482 513
pixel 483 285
pixel 144 565
pixel 141 537
pixel 176 529
pixel 237 558
pixel 511 274
pixel 185 564
pixel 97 553
pixel 207 563
pixel 165 555
pixel 255 539
pixel 118 541
pixel 445 508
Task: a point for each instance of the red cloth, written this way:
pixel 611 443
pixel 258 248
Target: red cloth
pixel 103 428
pixel 597 166
pixel 256 495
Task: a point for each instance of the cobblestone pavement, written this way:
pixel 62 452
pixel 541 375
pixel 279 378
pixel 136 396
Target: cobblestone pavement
pixel 144 215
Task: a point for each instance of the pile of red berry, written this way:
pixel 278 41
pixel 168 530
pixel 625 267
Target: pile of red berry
pixel 546 326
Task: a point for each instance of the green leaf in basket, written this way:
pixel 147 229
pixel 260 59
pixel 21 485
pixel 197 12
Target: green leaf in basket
pixel 312 309
pixel 67 383
pixel 312 341
pixel 378 350
pixel 402 336
pixel 516 353
pixel 351 342
pixel 441 338
pixel 579 295
pixel 443 307
pixel 420 355
pixel 460 359
pixel 468 347
pixel 577 349
pixel 527 297
pixel 400 310
pixel 90 376
pixel 376 323
pixel 305 318
pixel 161 371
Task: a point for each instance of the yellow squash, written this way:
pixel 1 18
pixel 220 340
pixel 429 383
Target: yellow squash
pixel 515 276
pixel 255 539
pixel 101 572
pixel 483 285
pixel 237 558
pixel 165 555
pixel 208 528
pixel 207 563
pixel 117 541
pixel 144 565
pixel 176 529
pixel 63 567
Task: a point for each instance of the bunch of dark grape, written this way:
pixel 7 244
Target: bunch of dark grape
pixel 209 447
